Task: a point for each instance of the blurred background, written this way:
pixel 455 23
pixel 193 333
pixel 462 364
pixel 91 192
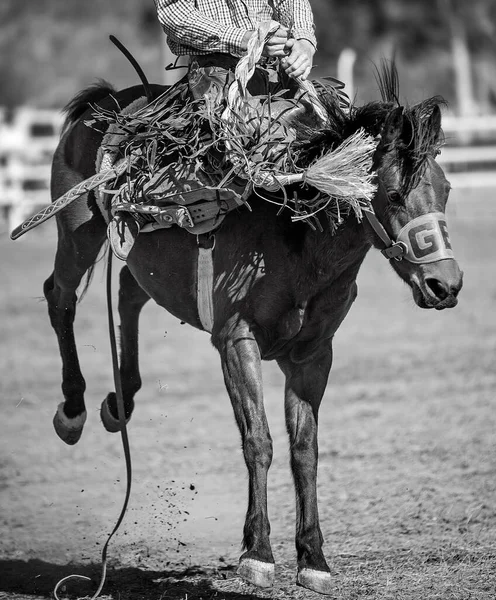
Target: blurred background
pixel 51 49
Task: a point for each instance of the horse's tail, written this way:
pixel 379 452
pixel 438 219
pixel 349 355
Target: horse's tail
pixel 88 278
pixel 74 110
pixel 76 107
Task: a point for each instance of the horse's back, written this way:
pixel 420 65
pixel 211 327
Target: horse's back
pixel 75 158
pixel 80 141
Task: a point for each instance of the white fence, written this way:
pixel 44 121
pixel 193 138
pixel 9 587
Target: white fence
pixel 29 138
pixel 469 156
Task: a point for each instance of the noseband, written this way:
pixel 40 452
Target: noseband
pixel 424 239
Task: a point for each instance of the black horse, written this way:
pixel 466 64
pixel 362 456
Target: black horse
pixel 280 291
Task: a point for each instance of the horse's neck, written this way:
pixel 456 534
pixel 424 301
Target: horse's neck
pixel 331 255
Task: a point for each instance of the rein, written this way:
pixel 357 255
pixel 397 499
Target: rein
pixel 125 440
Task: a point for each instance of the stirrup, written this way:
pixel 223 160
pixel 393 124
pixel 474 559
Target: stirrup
pixel 122 232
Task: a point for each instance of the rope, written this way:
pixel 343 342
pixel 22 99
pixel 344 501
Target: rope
pixel 124 436
pixel 73 194
pixel 236 97
pixel 245 68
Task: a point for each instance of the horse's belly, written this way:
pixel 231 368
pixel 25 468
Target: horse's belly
pixel 164 263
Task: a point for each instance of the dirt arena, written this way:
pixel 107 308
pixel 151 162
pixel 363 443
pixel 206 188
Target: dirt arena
pixel 407 478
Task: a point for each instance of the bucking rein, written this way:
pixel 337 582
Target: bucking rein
pixel 342 175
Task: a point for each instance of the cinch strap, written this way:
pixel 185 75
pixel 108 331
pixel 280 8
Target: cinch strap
pixel 205 285
pixel 426 238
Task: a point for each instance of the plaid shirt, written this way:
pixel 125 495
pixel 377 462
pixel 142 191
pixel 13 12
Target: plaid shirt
pixel 207 26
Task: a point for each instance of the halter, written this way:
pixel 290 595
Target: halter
pixel 396 250
pixel 422 240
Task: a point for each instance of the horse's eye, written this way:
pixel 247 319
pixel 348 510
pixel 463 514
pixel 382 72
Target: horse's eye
pixel 395 197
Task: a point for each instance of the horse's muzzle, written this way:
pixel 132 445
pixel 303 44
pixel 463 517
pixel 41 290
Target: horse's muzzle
pixel 437 285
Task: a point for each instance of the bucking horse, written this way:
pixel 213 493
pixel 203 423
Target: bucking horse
pixel 280 287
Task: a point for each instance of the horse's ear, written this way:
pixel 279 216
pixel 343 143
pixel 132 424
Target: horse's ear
pixel 391 130
pixel 435 120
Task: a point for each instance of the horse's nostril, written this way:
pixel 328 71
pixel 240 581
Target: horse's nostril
pixel 437 288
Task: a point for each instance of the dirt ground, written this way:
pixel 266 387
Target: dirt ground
pixel 407 476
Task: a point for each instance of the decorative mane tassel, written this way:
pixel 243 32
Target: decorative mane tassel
pixel 343 175
pixel 346 172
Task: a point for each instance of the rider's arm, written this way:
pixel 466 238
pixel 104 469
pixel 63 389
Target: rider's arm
pixel 299 15
pixel 187 26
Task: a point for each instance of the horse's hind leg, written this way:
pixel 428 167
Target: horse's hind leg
pixel 305 386
pixel 132 298
pixel 81 236
pixel 241 365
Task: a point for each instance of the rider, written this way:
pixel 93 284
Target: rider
pixel 215 34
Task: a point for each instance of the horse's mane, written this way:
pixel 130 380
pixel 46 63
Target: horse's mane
pixel 419 139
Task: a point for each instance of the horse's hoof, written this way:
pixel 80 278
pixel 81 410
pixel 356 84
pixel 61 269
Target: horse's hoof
pixel 317 581
pixel 110 423
pixel 257 572
pixel 68 430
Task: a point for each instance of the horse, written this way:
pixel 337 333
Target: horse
pixel 281 289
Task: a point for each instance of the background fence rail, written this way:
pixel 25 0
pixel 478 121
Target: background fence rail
pixel 28 138
pixel 469 155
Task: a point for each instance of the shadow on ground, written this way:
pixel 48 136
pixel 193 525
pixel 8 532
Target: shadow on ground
pixel 38 578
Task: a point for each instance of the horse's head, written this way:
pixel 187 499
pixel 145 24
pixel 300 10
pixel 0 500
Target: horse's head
pixel 411 200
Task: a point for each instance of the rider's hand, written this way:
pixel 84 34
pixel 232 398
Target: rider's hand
pixel 299 59
pixel 276 44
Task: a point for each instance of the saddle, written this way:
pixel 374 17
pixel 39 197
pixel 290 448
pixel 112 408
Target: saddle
pixel 193 194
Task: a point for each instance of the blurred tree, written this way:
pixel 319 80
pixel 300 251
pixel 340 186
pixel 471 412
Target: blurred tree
pixel 473 29
pixel 419 32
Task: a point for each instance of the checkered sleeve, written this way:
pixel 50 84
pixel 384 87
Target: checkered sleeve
pixel 189 31
pixel 298 13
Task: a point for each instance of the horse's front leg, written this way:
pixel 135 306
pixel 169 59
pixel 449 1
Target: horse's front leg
pixel 241 364
pixel 132 298
pixel 305 386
